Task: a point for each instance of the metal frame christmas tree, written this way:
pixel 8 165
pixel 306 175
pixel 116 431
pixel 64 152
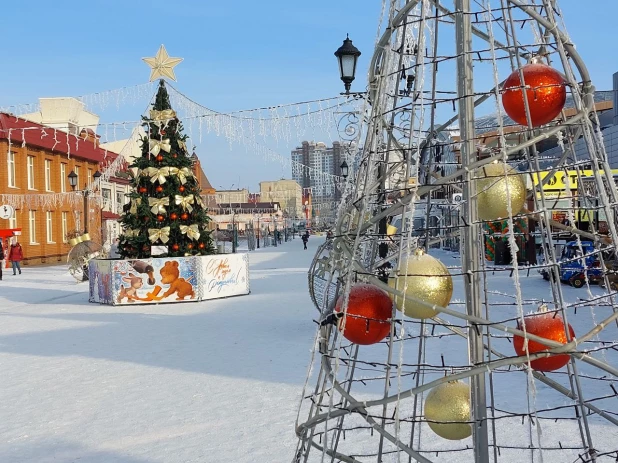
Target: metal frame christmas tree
pixel 404 370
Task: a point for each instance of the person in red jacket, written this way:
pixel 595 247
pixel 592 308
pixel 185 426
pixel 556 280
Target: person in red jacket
pixel 16 254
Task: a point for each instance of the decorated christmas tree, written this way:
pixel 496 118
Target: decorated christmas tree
pixel 166 216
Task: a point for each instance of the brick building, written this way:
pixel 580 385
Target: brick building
pixel 35 161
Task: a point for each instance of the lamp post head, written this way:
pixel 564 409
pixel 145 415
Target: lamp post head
pixel 344 169
pixel 97 175
pixel 347 55
pixel 72 180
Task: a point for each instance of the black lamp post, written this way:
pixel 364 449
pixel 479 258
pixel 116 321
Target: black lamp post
pixel 257 216
pixel 233 230
pixel 347 55
pixel 73 182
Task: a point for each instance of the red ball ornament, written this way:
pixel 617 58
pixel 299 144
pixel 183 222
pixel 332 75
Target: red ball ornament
pixel 145 247
pixel 159 157
pixel 367 318
pixel 190 246
pixel 545 92
pixel 549 326
pixel 184 216
pixel 173 216
pixel 162 132
pixel 142 189
pixel 174 155
pixel 175 247
pixel 160 218
pixel 159 189
pixel 201 245
pixel 181 188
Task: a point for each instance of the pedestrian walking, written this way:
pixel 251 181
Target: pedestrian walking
pixel 305 239
pixel 16 255
pixel 1 257
pixel 114 249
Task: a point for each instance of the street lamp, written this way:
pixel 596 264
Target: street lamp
pixel 73 182
pixel 347 55
pixel 344 169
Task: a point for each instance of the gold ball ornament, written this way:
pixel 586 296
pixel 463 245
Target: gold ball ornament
pixel 492 182
pixel 423 277
pixel 447 410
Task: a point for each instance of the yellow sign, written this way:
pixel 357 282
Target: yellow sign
pixel 559 180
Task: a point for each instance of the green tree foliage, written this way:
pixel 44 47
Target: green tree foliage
pixel 165 207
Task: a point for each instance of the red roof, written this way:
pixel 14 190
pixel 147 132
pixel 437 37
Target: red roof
pixel 55 140
pixel 106 215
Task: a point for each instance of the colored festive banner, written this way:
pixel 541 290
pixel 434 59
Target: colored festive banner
pixel 180 279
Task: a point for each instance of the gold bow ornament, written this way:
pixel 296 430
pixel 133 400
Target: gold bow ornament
pixel 134 203
pixel 192 231
pixel 185 202
pixel 199 201
pixel 182 145
pixel 162 116
pixel 155 234
pixel 157 174
pixel 182 174
pixel 157 205
pixel 156 146
pixel 131 233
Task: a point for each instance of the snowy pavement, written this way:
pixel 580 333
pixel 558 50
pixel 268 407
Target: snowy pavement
pixel 220 380
pixel 211 381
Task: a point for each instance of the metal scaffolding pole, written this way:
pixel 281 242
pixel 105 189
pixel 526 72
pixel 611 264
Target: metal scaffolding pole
pixel 470 254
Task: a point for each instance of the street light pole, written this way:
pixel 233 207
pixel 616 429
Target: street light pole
pixel 86 192
pixel 233 232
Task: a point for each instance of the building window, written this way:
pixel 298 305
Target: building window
pixel 49 216
pixel 120 198
pixel 11 168
pixel 48 165
pixel 63 178
pixel 106 193
pixel 89 180
pixel 31 172
pixel 13 221
pixel 65 226
pixel 32 224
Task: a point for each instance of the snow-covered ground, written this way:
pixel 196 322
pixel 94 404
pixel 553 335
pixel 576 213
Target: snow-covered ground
pixel 220 380
pixel 212 381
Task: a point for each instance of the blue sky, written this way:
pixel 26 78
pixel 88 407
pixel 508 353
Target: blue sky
pixel 238 55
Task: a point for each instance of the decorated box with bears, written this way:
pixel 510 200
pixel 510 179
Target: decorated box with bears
pixel 174 279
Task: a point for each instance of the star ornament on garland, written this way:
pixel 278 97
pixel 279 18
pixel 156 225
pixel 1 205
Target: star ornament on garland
pixel 162 65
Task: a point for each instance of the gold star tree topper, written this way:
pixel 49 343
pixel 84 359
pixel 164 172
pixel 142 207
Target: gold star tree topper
pixel 162 65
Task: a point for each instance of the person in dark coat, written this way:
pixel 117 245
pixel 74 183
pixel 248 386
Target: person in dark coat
pixel 1 258
pixel 16 255
pixel 305 239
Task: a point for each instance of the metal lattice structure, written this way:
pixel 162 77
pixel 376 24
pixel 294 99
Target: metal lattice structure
pixel 438 67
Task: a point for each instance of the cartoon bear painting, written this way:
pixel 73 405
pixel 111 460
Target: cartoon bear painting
pixel 180 286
